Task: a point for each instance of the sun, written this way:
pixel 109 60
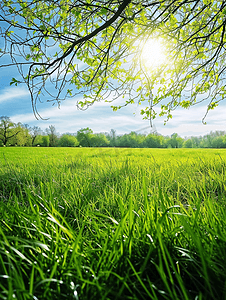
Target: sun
pixel 153 53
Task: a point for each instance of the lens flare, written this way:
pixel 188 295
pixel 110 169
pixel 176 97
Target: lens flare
pixel 153 53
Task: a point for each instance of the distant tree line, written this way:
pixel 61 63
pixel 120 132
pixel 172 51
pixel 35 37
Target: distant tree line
pixel 12 134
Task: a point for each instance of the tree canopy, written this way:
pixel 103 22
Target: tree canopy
pixel 94 48
pixel 8 130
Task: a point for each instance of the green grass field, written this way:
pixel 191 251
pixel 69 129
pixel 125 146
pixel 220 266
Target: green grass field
pixel 112 223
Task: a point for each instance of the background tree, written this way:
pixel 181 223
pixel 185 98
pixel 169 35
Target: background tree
pixel 131 140
pixel 153 141
pixel 219 142
pixel 42 141
pixel 196 141
pixel 176 141
pixel 84 136
pixel 51 131
pixel 22 138
pixel 8 130
pixel 34 132
pixel 192 142
pixel 99 140
pixel 188 143
pixel 94 48
pixel 67 140
pixel 26 128
pixel 38 141
pixel 45 141
pixel 112 137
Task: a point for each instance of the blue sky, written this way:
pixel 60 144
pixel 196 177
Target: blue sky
pixel 15 103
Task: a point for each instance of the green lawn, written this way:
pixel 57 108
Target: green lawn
pixel 103 223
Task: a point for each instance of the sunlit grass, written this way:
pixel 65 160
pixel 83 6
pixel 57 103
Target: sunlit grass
pixel 112 224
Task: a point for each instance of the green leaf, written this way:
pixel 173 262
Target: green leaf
pixel 14 81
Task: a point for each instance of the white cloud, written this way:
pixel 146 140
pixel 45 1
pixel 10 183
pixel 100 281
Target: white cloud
pixel 11 93
pixel 100 118
pixel 189 122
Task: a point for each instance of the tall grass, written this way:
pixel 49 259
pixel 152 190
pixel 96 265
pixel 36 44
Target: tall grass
pixel 112 224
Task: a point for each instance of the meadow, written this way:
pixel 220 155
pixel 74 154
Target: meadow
pixel 109 223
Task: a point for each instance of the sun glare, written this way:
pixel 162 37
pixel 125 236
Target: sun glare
pixel 153 53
